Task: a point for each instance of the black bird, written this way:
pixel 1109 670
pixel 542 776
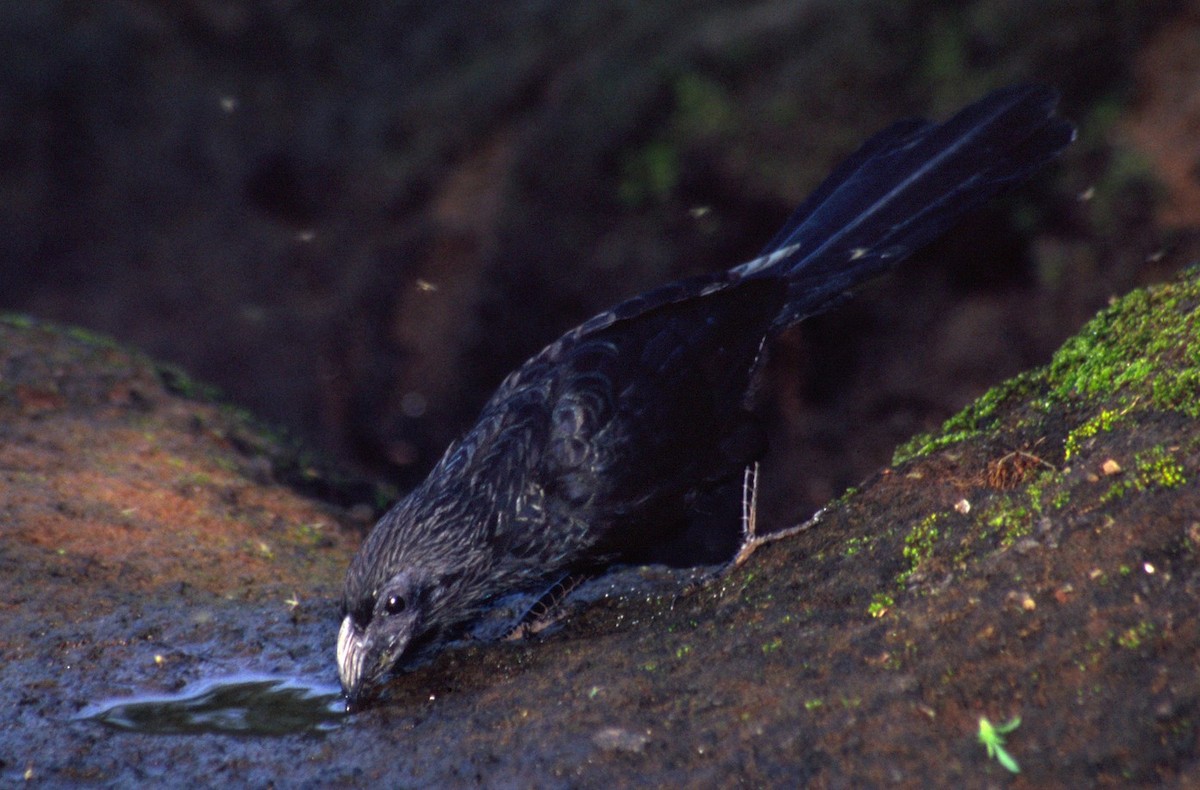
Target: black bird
pixel 596 449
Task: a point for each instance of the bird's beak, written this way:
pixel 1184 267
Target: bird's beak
pixel 351 655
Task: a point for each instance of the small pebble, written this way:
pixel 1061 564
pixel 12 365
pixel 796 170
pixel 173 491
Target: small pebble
pixel 617 739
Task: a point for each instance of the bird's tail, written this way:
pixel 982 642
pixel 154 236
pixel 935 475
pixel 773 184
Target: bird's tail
pixel 903 188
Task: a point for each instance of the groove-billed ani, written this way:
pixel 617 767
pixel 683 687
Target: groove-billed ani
pixel 597 447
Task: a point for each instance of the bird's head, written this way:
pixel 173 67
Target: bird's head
pixel 422 573
pixel 410 585
pixel 380 625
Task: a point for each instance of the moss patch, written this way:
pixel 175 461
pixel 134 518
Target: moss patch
pixel 1140 354
pixel 919 543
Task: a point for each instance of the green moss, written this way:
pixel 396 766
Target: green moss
pixel 123 358
pixel 1061 497
pixel 1153 469
pixel 880 604
pixel 16 320
pixel 176 381
pixel 919 543
pixel 1145 348
pixel 194 480
pixel 93 339
pixel 1142 353
pixel 858 544
pixel 1157 468
pixel 310 534
pixel 978 416
pixel 1050 488
pixel 1101 422
pixel 1133 638
pixel 1012 516
pixel 1008 519
pixel 864 544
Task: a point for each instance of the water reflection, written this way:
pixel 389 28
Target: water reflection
pixel 239 705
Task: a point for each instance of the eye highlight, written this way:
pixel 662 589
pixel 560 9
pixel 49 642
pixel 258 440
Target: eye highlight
pixel 395 604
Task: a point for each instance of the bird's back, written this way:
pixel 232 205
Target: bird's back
pixel 634 419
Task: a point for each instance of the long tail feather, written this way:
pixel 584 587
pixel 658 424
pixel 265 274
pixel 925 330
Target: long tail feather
pixel 903 188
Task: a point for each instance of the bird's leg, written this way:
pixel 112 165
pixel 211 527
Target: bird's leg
pixel 751 540
pixel 548 609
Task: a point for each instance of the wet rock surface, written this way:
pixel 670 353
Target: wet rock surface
pixel 1038 559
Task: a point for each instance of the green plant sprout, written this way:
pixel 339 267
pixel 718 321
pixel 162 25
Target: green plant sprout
pixel 992 737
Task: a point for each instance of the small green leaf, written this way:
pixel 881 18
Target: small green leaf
pixel 992 737
pixel 1005 759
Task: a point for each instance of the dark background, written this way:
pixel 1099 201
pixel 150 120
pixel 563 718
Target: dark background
pixel 355 217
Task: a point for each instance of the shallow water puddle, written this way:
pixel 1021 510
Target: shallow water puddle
pixel 237 705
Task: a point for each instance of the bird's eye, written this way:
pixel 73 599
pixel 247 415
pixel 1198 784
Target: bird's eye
pixel 394 605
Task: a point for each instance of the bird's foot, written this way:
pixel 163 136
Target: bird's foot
pixel 751 540
pixel 548 609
